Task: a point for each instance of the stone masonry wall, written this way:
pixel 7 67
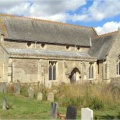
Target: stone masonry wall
pixel 25 70
pixel 113 57
pixel 3 64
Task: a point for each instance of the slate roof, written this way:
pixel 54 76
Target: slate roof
pixel 101 45
pixel 28 29
pixel 33 52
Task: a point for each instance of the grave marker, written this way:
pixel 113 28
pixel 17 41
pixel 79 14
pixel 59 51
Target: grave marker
pixel 86 114
pixel 17 88
pixel 50 97
pixel 54 108
pixel 3 87
pixel 4 104
pixel 39 96
pixel 31 92
pixel 71 113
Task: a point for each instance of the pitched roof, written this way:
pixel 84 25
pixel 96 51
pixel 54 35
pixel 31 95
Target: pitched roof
pixel 101 45
pixel 28 29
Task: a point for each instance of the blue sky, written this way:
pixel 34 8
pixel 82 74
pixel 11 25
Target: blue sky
pixel 103 15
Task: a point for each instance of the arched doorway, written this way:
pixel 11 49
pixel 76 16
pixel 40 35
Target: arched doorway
pixel 75 75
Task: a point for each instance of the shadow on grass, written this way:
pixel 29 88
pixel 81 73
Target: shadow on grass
pixel 107 117
pixel 118 116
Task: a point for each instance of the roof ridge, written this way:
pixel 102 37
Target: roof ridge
pixel 106 34
pixel 43 20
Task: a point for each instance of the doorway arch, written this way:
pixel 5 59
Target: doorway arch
pixel 75 75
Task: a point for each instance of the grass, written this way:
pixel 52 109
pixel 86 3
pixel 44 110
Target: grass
pixel 103 99
pixel 24 108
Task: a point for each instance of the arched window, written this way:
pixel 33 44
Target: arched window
pixel 105 70
pixel 91 71
pixel 52 70
pixel 118 66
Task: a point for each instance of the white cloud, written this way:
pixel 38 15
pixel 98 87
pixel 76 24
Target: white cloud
pixel 16 7
pixel 99 10
pixel 44 9
pixel 58 10
pixel 108 27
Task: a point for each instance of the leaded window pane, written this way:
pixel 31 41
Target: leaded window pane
pixel 54 72
pixel 91 71
pixel 50 72
pixel 119 68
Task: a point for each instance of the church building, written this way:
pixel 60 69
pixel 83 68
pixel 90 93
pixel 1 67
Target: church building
pixel 34 50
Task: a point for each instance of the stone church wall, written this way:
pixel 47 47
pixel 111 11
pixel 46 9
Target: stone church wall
pixel 25 70
pixel 112 58
pixel 3 65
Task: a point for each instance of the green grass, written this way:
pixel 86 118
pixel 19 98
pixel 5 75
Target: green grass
pixel 22 107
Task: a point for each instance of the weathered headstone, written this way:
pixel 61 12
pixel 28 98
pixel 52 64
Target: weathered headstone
pixel 11 87
pixel 54 109
pixel 71 113
pixel 39 96
pixel 3 87
pixel 30 92
pixel 86 114
pixel 4 104
pixel 50 97
pixel 17 88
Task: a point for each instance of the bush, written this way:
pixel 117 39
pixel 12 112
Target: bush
pixel 95 103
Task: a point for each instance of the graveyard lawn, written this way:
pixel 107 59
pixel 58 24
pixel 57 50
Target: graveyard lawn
pixel 21 107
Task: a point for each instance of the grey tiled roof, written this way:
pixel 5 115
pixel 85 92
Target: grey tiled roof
pixel 34 52
pixel 101 45
pixel 21 28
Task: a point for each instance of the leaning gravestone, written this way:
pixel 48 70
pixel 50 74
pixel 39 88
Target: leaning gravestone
pixel 71 113
pixel 17 88
pixel 50 97
pixel 54 109
pixel 3 87
pixel 30 92
pixel 4 104
pixel 86 114
pixel 39 96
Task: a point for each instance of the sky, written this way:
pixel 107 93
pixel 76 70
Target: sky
pixel 103 15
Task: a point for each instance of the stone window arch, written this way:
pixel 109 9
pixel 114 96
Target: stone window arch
pixel 91 71
pixel 118 65
pixel 52 70
pixel 105 69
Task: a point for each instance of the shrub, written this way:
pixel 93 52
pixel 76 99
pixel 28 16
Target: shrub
pixel 95 103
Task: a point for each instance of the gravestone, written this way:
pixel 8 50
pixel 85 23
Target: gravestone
pixel 17 88
pixel 3 87
pixel 4 104
pixel 54 109
pixel 30 92
pixel 71 113
pixel 50 97
pixel 86 114
pixel 39 96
